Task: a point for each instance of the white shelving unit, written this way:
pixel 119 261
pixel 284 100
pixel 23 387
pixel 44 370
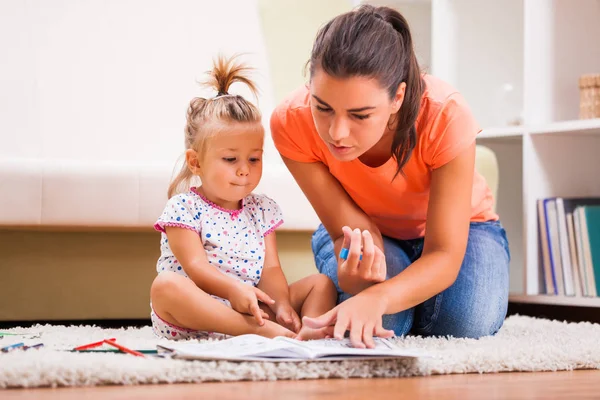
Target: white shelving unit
pixel 517 62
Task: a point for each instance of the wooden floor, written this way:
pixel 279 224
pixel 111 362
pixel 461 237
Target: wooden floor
pixel 539 385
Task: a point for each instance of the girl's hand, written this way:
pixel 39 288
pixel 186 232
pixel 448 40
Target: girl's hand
pixel 356 274
pixel 244 299
pixel 287 317
pixel 362 315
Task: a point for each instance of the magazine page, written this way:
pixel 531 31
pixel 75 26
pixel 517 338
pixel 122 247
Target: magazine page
pixel 258 348
pixel 243 347
pixel 343 348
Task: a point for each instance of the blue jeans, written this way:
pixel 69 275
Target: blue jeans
pixel 475 305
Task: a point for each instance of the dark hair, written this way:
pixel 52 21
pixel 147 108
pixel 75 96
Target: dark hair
pixel 375 42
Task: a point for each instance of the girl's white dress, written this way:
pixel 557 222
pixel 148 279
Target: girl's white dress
pixel 234 241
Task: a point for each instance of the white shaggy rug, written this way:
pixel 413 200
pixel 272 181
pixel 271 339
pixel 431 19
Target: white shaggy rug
pixel 523 344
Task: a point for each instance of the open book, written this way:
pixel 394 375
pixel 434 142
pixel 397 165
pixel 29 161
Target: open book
pixel 258 348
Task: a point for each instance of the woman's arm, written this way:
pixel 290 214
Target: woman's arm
pixel 336 209
pixel 187 248
pixel 448 218
pixel 436 269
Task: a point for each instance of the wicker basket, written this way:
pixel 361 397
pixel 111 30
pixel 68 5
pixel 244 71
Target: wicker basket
pixel 589 89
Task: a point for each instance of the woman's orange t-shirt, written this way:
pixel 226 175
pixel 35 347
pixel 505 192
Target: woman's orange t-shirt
pixel 445 127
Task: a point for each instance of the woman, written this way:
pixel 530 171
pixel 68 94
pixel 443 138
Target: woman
pixel 386 157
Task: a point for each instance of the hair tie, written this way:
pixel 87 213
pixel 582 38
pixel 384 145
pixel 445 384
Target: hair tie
pixel 221 94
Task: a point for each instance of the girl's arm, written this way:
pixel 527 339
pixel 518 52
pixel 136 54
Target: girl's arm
pixel 336 209
pixel 272 280
pixel 187 248
pixel 274 284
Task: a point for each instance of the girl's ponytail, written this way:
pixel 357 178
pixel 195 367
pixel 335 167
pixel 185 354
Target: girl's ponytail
pixel 208 117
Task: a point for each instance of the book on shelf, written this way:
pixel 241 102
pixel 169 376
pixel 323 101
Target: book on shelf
pixel 569 239
pixel 257 348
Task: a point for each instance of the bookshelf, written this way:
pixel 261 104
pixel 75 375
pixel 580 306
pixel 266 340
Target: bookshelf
pixel 557 300
pixel 517 63
pixel 551 152
pixel 540 161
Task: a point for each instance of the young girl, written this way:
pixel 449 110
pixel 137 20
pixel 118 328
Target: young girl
pixel 219 272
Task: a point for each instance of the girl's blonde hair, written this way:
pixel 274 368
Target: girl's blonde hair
pixel 206 117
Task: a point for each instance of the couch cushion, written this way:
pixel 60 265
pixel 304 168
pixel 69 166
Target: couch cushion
pixel 109 195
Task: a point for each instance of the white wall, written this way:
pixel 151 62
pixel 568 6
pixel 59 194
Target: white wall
pixel 478 48
pixel 111 80
pixel 418 15
pixel 290 27
pixel 561 45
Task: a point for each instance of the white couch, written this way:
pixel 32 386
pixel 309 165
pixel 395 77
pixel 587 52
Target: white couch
pixel 93 107
pixel 93 101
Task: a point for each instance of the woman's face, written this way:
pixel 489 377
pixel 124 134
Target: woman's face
pixel 351 114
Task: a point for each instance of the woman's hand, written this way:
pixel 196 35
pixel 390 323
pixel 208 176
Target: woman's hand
pixel 244 299
pixel 362 315
pixel 356 274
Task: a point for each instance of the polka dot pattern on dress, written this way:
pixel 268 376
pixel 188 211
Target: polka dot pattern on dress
pixel 233 239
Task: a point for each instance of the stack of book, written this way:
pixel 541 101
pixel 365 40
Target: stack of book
pixel 569 232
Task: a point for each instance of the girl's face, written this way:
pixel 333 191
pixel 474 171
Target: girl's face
pixel 351 114
pixel 231 165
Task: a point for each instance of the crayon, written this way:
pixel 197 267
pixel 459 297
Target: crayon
pixel 123 348
pixel 35 346
pixel 92 345
pixel 344 254
pixel 12 347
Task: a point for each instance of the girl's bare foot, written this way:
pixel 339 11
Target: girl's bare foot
pixel 307 333
pixel 272 329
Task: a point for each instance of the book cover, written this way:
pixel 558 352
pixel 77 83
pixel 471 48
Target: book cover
pixel 549 277
pixel 553 245
pixel 592 221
